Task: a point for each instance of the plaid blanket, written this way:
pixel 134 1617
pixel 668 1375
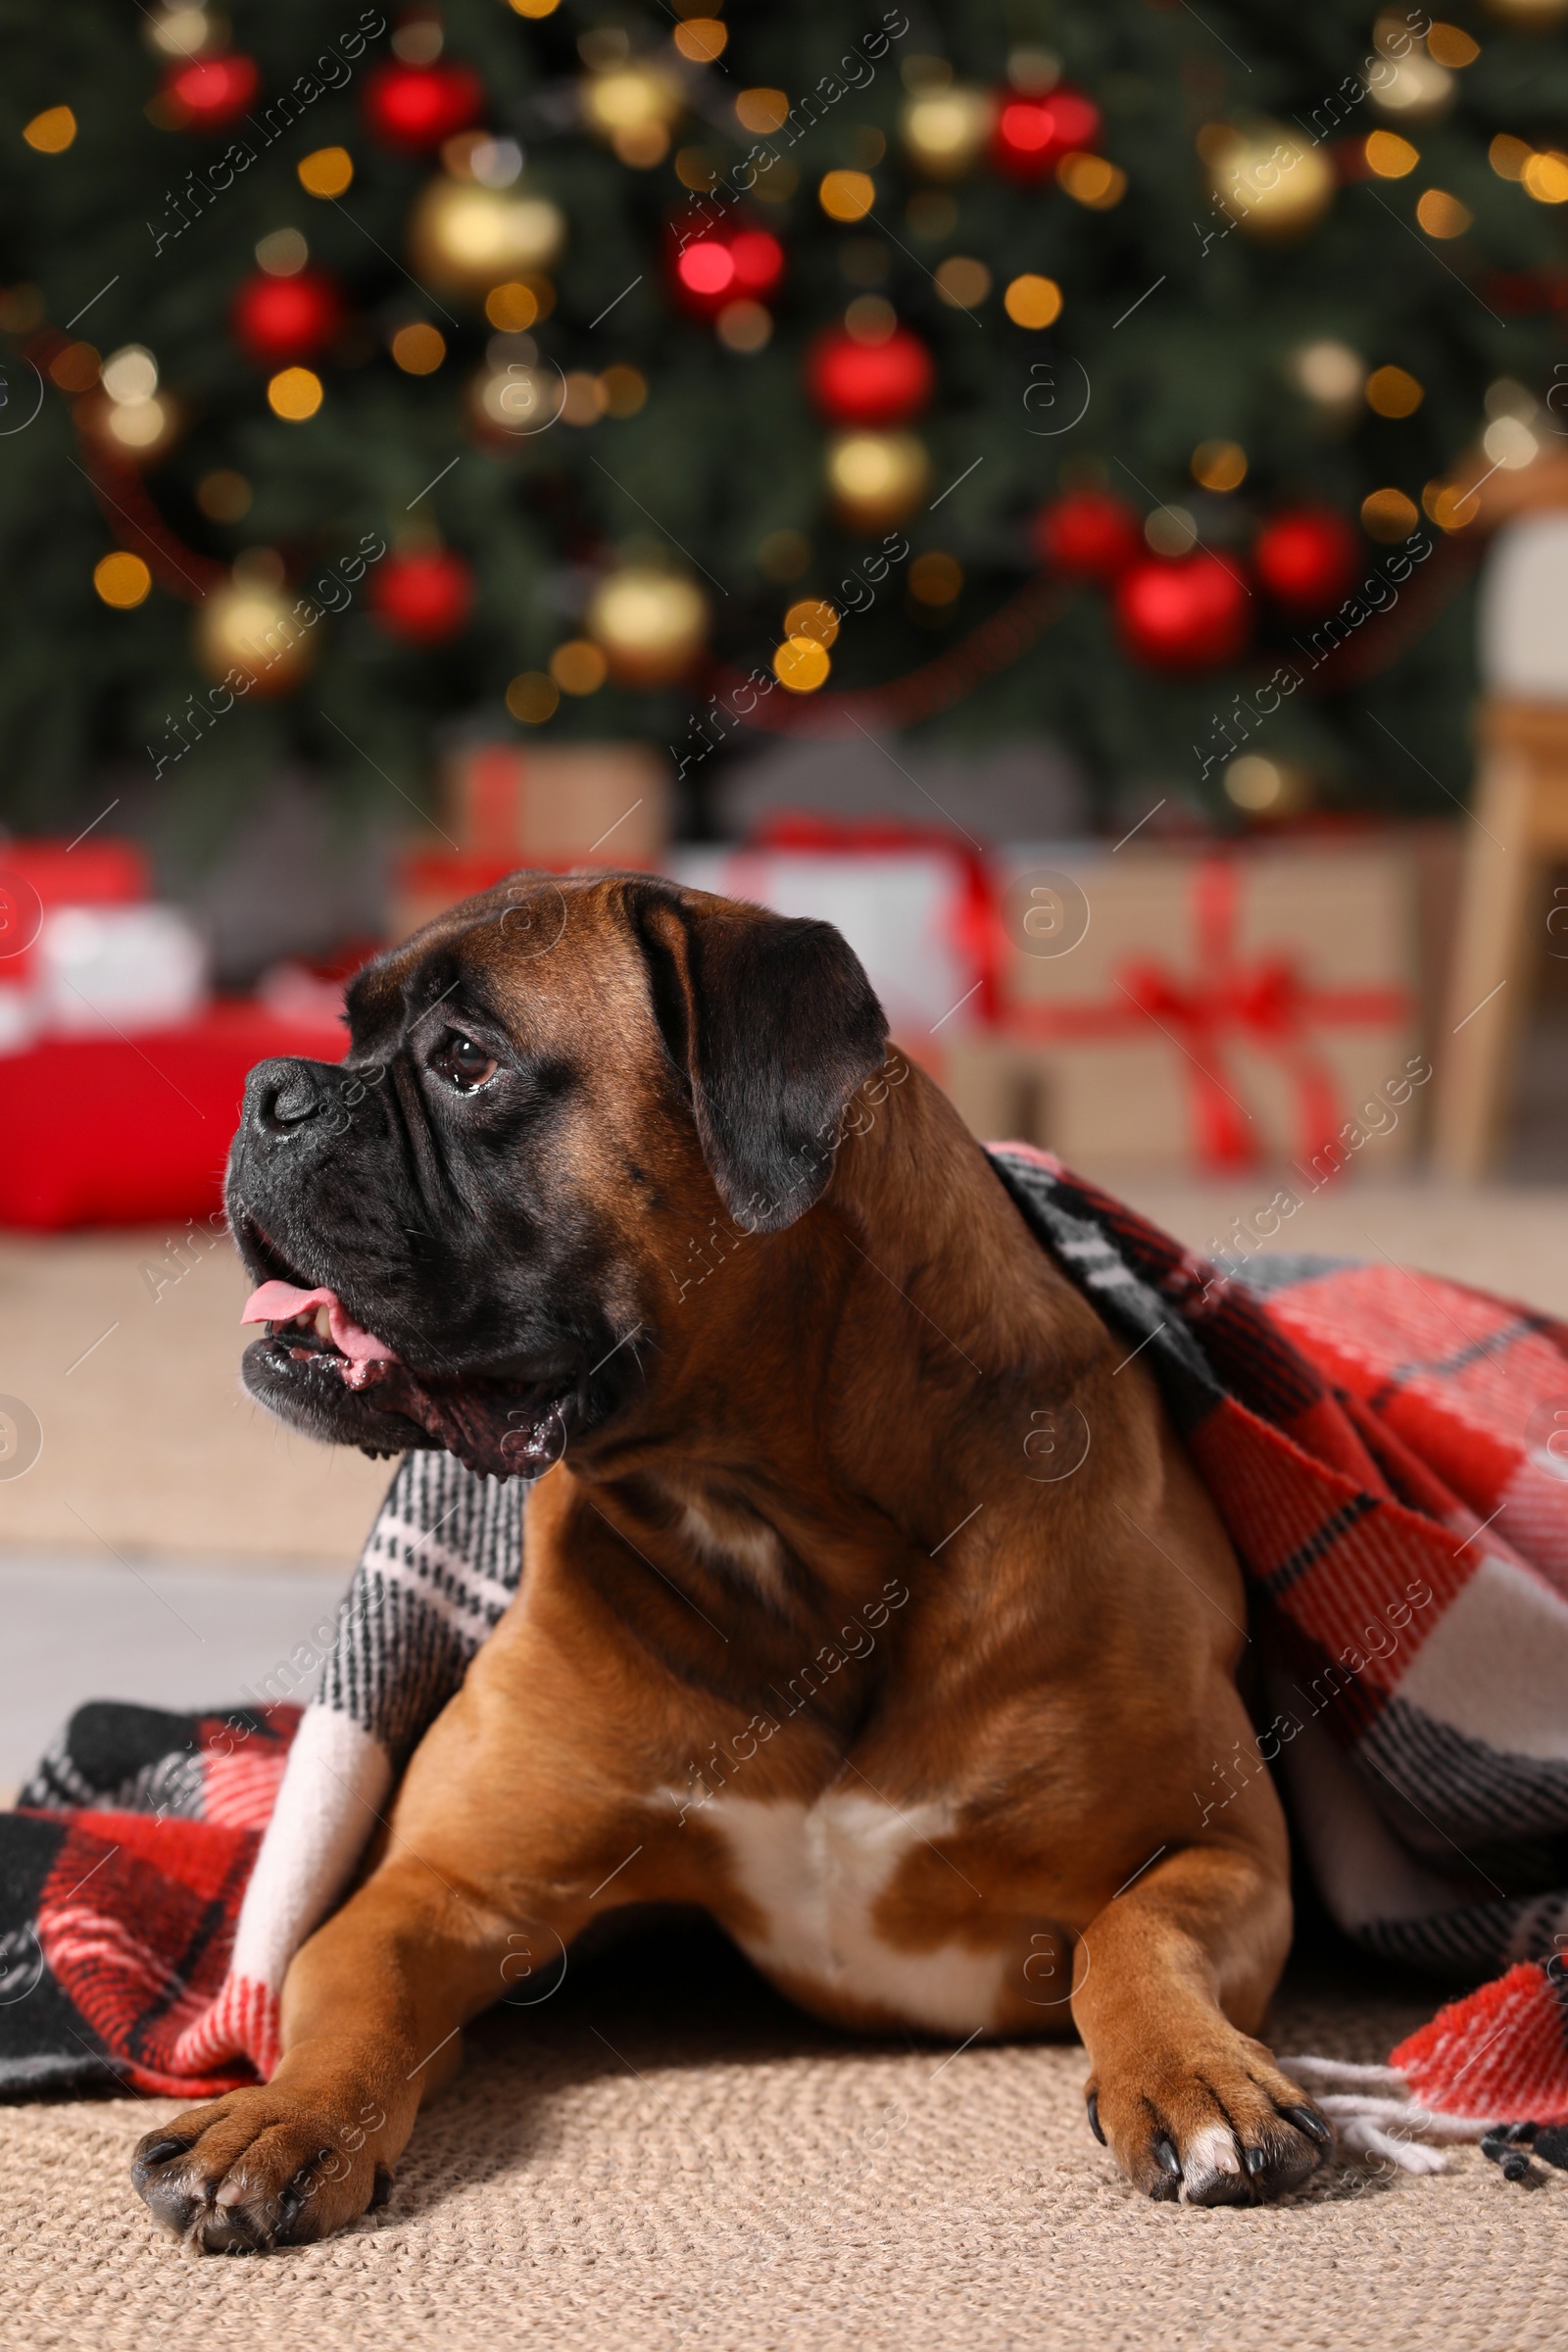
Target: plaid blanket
pixel 1389 1453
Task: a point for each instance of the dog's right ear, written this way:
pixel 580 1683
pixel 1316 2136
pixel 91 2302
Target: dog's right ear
pixel 772 1024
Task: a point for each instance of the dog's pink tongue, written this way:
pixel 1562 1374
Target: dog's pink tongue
pixel 281 1301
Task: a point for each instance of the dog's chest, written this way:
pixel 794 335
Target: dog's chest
pixel 816 1875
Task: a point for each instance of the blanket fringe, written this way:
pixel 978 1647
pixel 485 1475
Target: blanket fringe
pixel 1364 2101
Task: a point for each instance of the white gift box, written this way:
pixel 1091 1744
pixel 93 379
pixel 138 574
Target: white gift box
pixel 103 970
pixel 901 910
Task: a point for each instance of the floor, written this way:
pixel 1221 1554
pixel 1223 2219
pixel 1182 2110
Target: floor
pixel 670 2158
pixel 666 2156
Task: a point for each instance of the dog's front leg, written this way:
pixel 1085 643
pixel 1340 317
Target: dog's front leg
pixel 372 2008
pixel 1171 1980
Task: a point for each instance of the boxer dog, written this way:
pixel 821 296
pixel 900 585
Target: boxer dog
pixel 618 1190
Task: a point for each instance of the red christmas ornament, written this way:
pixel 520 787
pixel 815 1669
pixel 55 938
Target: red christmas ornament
pixel 869 383
pixel 423 597
pixel 742 266
pixel 1181 613
pixel 1307 559
pixel 1033 135
pixel 417 107
pixel 279 319
pixel 1087 535
pixel 213 91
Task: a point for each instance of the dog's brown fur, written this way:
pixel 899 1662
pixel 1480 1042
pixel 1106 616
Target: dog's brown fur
pixel 835 1431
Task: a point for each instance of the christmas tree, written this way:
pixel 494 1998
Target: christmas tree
pixel 567 370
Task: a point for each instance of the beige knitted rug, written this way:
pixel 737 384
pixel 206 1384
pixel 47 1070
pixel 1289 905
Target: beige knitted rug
pixel 663 2155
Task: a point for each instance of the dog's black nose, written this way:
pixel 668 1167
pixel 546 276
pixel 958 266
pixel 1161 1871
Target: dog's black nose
pixel 283 1095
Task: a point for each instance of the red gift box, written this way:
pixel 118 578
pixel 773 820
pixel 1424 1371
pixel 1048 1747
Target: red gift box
pixel 123 1131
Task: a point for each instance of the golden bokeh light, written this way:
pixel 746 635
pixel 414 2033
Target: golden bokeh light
pixel 294 394
pixel 802 664
pixel 846 195
pixel 745 327
pixel 419 349
pixel 1394 392
pixel 532 697
pixel 122 580
pixel 1092 180
pixel 935 578
pixel 762 110
pixel 76 368
pixel 1032 301
pixel 624 390
pixel 813 616
pixel 1390 155
pixel 963 282
pixel 578 666
pixel 1388 515
pixel 702 39
pixel 52 132
pixel 513 307
pixel 1441 214
pixel 1545 177
pixel 326 172
pixel 1219 464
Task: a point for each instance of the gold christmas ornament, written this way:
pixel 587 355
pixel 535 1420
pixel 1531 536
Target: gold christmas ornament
pixel 944 131
pixel 634 109
pixel 877 478
pixel 1273 184
pixel 249 627
pixel 651 625
pixel 464 238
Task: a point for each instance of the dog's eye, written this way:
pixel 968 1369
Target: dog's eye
pixel 464 1065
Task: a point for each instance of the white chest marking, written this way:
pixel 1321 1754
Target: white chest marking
pixel 815 1872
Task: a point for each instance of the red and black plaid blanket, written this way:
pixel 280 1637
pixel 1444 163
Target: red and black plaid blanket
pixel 1389 1453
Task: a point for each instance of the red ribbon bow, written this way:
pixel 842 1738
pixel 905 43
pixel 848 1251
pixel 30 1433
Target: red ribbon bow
pixel 1265 1004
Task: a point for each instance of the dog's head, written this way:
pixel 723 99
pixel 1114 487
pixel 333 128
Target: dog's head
pixel 464 1231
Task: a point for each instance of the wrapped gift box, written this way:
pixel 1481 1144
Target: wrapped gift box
pixel 83 951
pixel 125 1131
pixel 913 905
pixel 1208 1006
pixel 561 805
pixel 512 807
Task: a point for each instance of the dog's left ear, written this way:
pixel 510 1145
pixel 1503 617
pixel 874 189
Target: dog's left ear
pixel 773 1024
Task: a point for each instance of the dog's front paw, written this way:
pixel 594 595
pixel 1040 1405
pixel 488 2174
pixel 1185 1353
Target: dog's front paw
pixel 1216 2126
pixel 257 2170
